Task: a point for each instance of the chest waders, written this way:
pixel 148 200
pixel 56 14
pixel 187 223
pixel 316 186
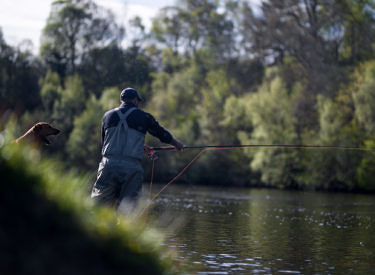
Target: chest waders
pixel 122 142
pixel 120 173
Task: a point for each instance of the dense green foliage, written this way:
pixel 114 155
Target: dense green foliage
pixel 49 225
pixel 214 72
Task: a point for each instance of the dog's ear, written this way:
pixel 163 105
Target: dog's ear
pixel 38 128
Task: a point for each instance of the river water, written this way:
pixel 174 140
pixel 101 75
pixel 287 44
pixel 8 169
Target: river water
pixel 240 231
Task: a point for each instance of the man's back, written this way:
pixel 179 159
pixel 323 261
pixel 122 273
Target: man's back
pixel 138 120
pixel 122 142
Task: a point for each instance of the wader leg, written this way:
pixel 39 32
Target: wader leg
pixel 105 189
pixel 130 191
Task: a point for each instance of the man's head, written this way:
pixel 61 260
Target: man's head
pixel 130 95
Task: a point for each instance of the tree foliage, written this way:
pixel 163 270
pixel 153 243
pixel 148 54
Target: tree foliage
pixel 19 73
pixel 214 72
pixel 86 135
pixel 74 27
pixel 270 112
pixel 195 25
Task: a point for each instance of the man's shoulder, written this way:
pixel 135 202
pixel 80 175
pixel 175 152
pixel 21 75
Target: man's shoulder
pixel 141 112
pixel 110 112
pixel 136 113
pixel 148 115
pixel 144 112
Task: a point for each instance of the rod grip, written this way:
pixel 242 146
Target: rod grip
pixel 163 148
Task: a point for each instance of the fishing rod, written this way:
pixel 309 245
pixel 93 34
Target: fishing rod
pixel 203 148
pixel 278 146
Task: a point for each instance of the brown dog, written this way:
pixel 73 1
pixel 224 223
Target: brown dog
pixel 38 134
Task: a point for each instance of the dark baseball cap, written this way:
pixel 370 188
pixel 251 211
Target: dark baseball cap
pixel 130 93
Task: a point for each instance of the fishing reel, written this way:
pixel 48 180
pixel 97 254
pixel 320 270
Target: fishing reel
pixel 153 155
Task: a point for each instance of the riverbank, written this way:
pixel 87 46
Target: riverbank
pixel 50 226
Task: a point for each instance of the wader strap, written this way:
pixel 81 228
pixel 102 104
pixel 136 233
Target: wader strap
pixel 122 116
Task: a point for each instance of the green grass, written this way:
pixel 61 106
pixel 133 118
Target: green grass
pixel 49 225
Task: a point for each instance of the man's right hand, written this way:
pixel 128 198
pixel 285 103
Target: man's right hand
pixel 178 145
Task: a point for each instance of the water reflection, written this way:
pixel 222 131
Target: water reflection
pixel 231 231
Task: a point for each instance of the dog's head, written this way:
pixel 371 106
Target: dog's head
pixel 44 129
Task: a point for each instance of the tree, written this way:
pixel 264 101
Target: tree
pixel 19 74
pixel 175 97
pixel 345 120
pixel 358 21
pixel 269 119
pixel 51 91
pixel 364 98
pixel 333 169
pixel 363 95
pixel 196 25
pixel 84 142
pixel 70 103
pixel 113 66
pixel 365 175
pixel 294 27
pixel 167 28
pixel 309 31
pixel 138 31
pixel 83 145
pixel 73 28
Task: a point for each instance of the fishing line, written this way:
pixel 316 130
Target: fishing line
pixel 152 177
pixel 205 148
pixel 287 146
pixel 172 180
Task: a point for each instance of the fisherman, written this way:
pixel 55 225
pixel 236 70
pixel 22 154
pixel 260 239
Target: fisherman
pixel 120 173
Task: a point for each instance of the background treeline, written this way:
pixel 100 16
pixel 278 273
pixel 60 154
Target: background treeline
pixel 214 72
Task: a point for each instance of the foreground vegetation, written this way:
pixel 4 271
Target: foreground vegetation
pixel 214 72
pixel 49 225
